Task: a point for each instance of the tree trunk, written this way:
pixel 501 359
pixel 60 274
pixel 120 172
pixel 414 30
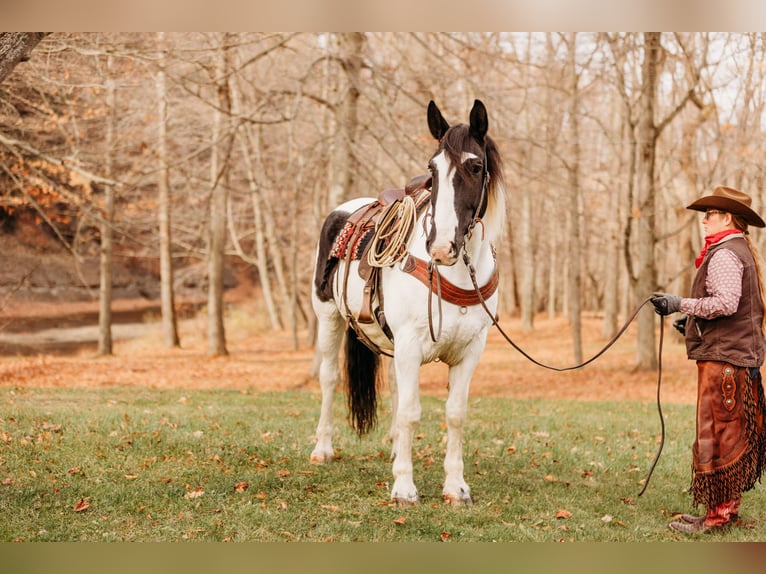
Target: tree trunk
pixel 15 47
pixel 612 260
pixel 216 341
pixel 346 120
pixel 167 302
pixel 525 255
pixel 575 312
pixel 647 143
pixel 105 266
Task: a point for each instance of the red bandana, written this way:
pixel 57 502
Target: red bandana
pixel 712 240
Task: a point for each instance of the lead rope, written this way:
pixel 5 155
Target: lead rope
pixel 659 408
pixel 613 340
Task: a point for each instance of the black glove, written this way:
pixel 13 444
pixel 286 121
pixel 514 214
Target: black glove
pixel 680 324
pixel 665 304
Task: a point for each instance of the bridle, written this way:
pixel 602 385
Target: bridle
pixel 433 270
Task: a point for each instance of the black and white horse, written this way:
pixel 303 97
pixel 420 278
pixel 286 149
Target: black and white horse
pixel 455 234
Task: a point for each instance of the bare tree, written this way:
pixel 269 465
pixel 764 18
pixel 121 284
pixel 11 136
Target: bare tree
pixel 107 222
pixel 342 166
pixel 167 296
pixel 573 223
pixel 219 181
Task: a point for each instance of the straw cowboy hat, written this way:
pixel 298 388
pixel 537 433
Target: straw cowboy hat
pixel 731 201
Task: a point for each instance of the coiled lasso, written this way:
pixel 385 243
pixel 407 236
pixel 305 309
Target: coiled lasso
pixel 392 233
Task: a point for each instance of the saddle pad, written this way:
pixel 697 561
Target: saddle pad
pixel 341 245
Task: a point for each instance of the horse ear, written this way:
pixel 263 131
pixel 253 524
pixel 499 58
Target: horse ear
pixel 436 122
pixel 479 121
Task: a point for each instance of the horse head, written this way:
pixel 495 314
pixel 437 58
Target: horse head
pixel 463 171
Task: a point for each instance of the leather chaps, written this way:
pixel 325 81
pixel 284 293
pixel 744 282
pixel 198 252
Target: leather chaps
pixel 728 454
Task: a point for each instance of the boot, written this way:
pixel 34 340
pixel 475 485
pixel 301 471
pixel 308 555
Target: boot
pixel 696 527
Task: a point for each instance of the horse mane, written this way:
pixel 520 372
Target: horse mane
pixel 458 139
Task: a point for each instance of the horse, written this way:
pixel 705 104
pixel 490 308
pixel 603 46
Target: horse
pixel 441 295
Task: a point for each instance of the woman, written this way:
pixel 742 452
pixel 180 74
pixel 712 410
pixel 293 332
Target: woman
pixel 725 336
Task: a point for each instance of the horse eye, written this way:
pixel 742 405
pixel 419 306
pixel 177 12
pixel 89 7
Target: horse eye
pixel 476 168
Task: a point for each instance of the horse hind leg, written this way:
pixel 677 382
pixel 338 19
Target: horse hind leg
pixel 330 329
pixel 394 391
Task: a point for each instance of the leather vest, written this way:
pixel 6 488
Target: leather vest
pixel 736 339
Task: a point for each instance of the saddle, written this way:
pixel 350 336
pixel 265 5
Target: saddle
pixel 355 241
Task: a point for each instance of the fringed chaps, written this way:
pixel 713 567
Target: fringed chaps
pixel 729 450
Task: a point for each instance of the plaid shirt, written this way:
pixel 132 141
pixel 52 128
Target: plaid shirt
pixel 723 285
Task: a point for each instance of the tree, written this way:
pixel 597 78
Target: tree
pixel 107 222
pixel 573 171
pixel 167 296
pixel 222 140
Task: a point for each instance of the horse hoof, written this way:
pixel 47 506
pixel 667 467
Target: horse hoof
pixel 405 502
pixel 457 499
pixel 321 457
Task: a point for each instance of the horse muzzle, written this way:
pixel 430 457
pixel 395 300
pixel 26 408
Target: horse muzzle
pixel 444 254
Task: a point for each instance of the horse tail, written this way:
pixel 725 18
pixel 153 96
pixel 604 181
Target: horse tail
pixel 362 376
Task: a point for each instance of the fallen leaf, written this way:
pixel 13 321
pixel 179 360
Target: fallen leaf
pixel 401 520
pixel 81 505
pixel 550 478
pixel 194 493
pixel 8 481
pixel 241 486
pixel 283 473
pixel 563 514
pixel 444 536
pixel 330 507
pixel 606 518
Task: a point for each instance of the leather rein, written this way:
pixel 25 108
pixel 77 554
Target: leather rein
pixel 612 341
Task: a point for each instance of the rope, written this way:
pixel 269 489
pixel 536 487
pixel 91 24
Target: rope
pixel 614 339
pixel 392 233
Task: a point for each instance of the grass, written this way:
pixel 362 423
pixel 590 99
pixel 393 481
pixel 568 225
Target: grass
pixel 140 464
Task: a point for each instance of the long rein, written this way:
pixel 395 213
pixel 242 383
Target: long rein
pixel 612 341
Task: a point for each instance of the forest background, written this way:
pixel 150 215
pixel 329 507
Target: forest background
pixel 207 159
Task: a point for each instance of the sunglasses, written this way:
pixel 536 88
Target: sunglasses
pixel 710 212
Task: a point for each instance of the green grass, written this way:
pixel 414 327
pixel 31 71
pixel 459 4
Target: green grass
pixel 164 465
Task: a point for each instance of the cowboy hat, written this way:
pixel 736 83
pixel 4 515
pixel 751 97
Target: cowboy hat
pixel 731 201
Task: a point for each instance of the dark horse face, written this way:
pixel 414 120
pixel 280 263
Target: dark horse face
pixel 459 181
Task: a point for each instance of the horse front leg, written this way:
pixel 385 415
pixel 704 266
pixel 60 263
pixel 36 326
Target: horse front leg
pixel 456 491
pixel 330 329
pixel 407 419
